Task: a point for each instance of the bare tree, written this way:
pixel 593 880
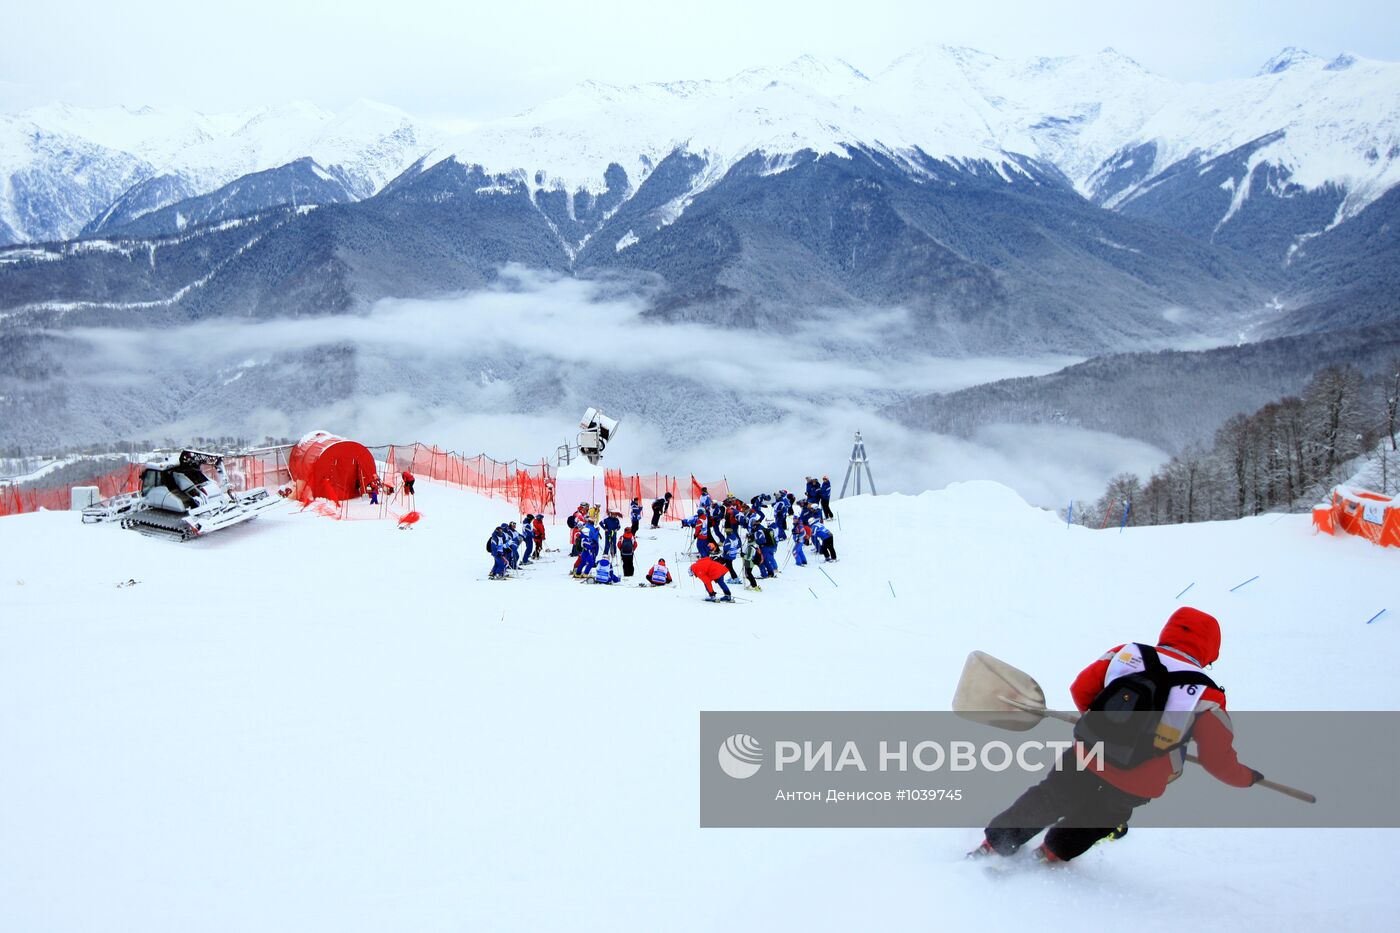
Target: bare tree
pixel 1119 500
pixel 1237 444
pixel 1334 418
pixel 1392 401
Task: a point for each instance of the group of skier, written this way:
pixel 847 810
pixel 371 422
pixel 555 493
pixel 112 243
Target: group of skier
pixel 513 545
pixel 728 535
pixel 731 533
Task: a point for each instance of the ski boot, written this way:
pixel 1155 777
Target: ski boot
pixel 712 598
pixel 982 851
pixel 1044 856
pixel 754 589
pixel 726 599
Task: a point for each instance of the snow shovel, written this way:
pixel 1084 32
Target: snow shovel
pixel 993 692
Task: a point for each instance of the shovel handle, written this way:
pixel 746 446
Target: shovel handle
pixel 1284 789
pixel 1293 792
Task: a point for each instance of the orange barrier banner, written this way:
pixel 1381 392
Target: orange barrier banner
pixel 1361 513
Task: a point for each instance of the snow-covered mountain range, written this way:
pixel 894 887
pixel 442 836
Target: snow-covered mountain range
pixel 1076 206
pixel 64 169
pixel 1115 130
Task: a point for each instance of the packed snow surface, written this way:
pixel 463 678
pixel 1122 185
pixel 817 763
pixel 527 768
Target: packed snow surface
pixel 307 724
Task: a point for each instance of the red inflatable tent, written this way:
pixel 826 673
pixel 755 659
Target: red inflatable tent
pixel 324 466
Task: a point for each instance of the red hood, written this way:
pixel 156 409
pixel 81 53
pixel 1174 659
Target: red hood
pixel 1193 632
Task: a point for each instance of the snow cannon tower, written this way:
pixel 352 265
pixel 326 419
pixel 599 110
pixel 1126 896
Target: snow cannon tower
pixel 577 480
pixel 325 466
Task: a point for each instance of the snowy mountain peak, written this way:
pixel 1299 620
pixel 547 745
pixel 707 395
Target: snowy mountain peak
pixel 828 76
pixel 1289 58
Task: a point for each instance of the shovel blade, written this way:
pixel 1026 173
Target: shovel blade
pixel 986 685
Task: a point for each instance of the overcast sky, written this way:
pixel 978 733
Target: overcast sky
pixel 472 61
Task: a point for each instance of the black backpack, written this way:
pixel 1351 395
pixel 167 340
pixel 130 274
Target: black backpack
pixel 1125 715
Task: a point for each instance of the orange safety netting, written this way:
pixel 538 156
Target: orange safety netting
pixel 1364 514
pixel 530 487
pixel 621 490
pixel 16 499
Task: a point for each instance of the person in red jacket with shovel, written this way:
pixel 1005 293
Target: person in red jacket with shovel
pixel 1082 805
pixel 709 572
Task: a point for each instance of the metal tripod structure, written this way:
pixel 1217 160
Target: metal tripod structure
pixel 859 461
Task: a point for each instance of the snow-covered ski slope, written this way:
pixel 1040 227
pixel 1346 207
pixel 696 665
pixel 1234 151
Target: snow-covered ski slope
pixel 302 724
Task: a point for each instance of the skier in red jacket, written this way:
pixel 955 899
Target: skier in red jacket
pixel 539 535
pixel 1083 806
pixel 709 572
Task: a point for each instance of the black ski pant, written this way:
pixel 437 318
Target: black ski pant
pixel 627 565
pixel 729 562
pixel 1078 806
pixel 826 507
pixel 748 572
pixel 656 515
pixel 636 523
pixel 828 547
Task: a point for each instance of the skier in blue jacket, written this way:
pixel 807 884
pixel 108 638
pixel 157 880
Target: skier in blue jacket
pixel 604 572
pixel 756 505
pixel 527 533
pixel 588 553
pixel 826 541
pixel 826 497
pixel 512 543
pixel 730 553
pixel 636 515
pixel 611 526
pixel 781 506
pixel 705 500
pixel 495 546
pixel 798 556
pixel 768 547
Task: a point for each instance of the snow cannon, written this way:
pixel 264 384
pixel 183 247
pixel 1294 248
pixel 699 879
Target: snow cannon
pixel 597 430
